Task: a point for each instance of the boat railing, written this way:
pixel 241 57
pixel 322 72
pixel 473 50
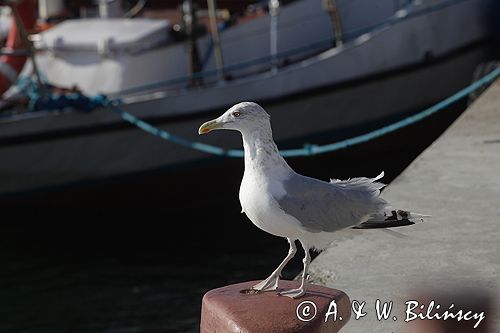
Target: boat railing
pixel 279 60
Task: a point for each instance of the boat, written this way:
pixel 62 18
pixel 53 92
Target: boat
pixel 324 70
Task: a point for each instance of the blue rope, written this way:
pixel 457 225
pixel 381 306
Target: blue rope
pixel 214 150
pixel 307 150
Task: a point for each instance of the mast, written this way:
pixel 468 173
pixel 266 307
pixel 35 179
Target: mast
pixel 189 18
pixel 331 7
pixel 273 34
pixel 219 61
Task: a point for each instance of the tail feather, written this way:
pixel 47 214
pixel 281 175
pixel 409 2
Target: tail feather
pixel 391 219
pixel 380 176
pixel 369 183
pixel 399 214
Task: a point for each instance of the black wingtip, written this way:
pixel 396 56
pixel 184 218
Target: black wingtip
pixel 384 224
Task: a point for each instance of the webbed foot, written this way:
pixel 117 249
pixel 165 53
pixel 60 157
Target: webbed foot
pixel 269 284
pixel 293 293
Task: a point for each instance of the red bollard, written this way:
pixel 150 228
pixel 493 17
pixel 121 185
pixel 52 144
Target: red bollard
pixel 236 308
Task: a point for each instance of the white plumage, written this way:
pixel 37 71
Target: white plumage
pixel 283 203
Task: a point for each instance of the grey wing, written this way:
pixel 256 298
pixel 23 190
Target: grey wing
pixel 322 206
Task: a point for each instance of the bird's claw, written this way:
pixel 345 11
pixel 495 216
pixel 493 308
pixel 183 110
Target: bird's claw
pixel 269 284
pixel 293 293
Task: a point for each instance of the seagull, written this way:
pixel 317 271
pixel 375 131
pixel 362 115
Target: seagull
pixel 286 204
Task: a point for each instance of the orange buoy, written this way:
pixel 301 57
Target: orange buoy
pixel 11 65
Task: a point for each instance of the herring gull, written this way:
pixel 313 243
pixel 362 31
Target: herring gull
pixel 284 203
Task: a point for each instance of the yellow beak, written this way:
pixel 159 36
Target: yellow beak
pixel 209 126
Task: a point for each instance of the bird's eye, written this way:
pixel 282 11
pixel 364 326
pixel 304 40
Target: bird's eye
pixel 236 114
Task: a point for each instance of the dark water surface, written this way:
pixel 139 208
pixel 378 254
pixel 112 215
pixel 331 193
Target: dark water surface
pixel 137 254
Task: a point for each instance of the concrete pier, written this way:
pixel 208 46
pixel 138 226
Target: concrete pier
pixel 456 252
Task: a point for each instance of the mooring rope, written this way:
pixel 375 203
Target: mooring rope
pixel 309 149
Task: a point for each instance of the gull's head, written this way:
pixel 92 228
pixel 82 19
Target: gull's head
pixel 243 117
